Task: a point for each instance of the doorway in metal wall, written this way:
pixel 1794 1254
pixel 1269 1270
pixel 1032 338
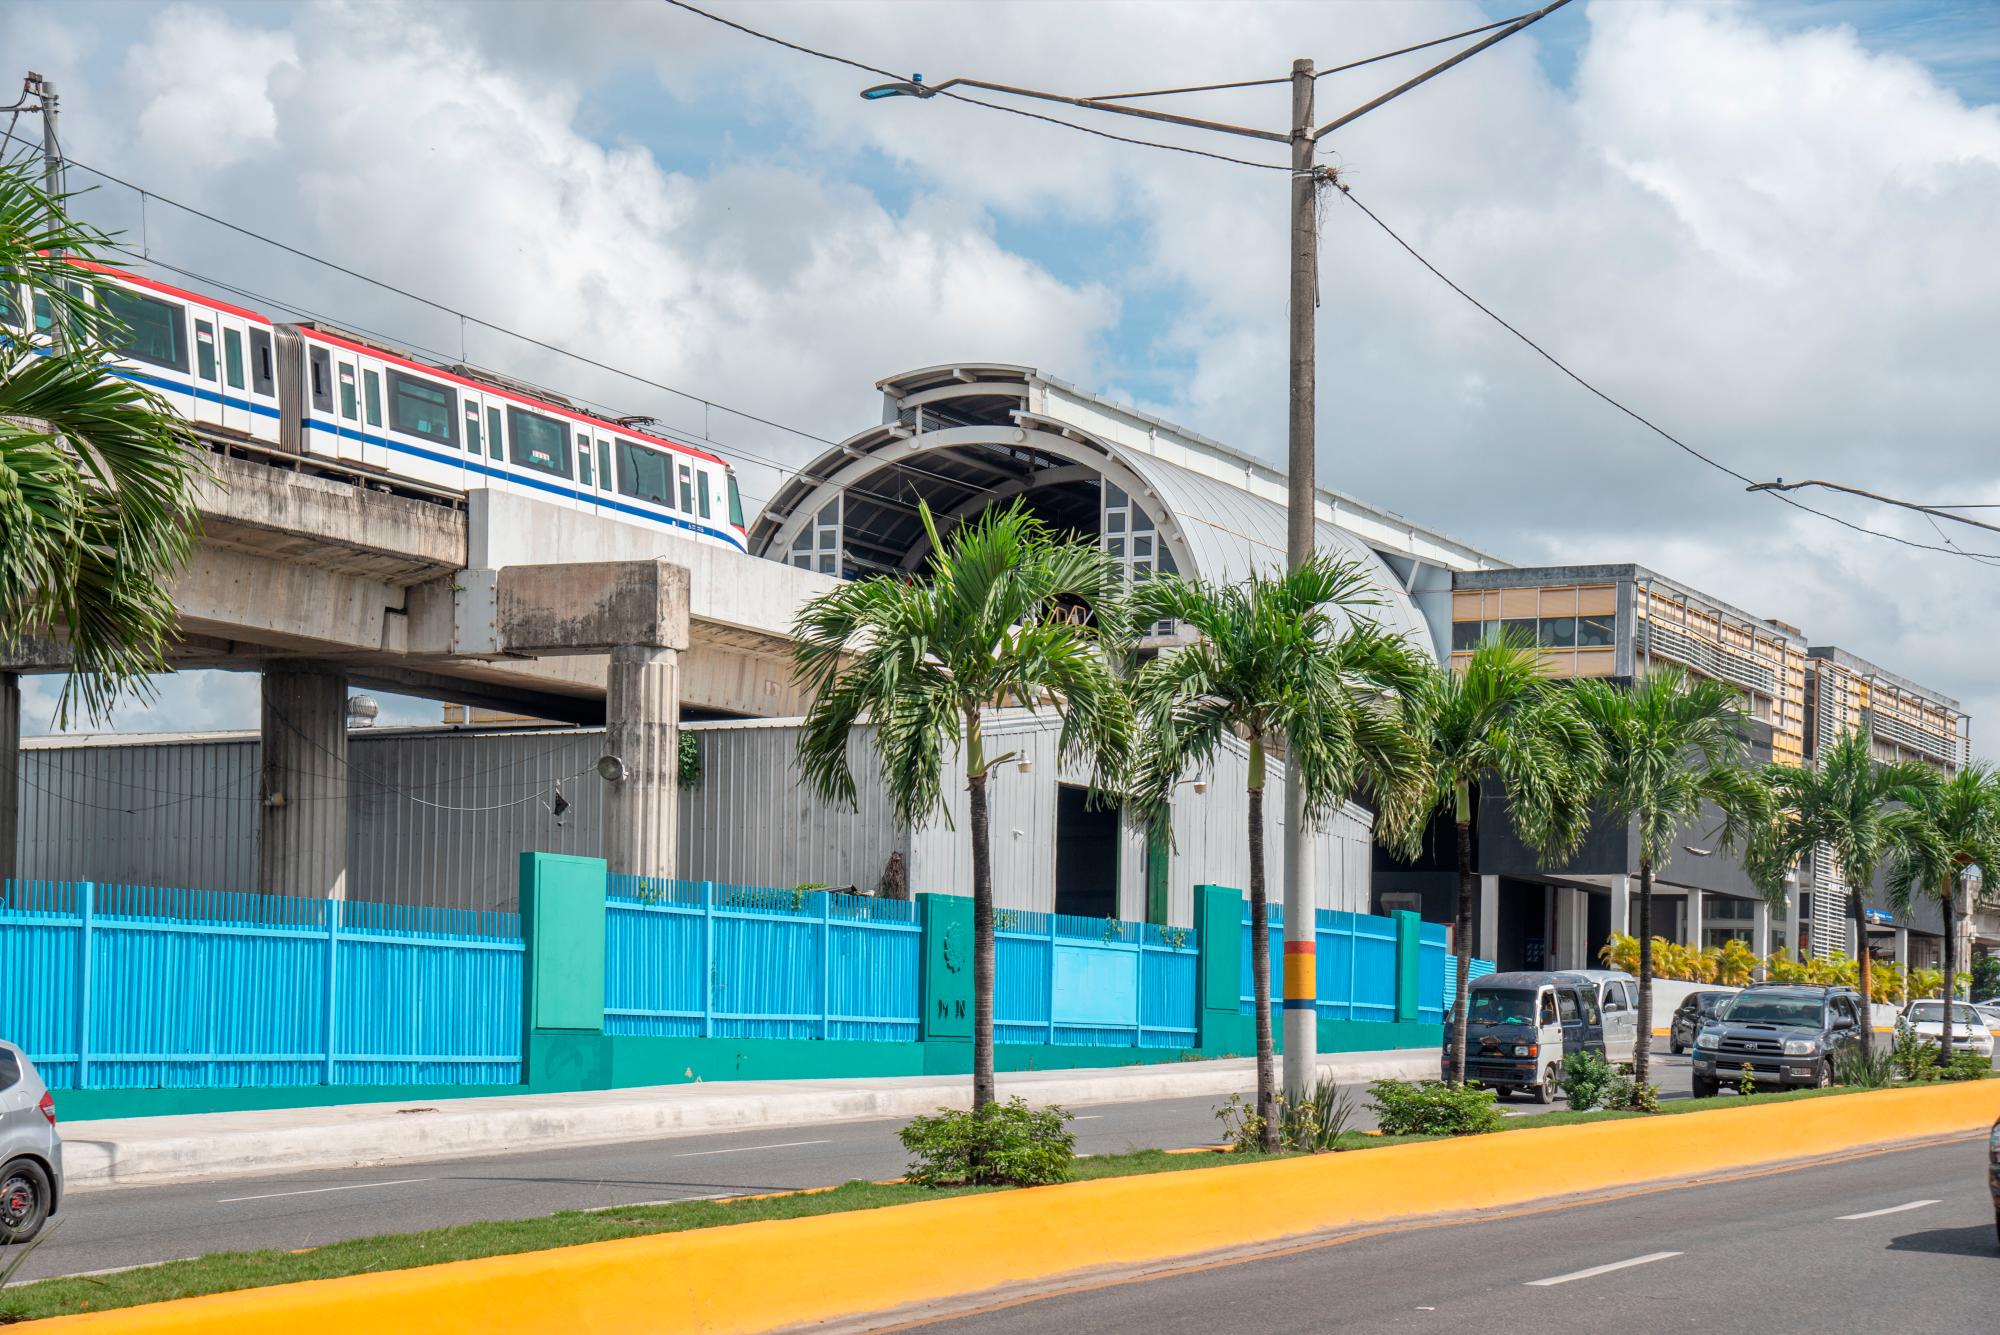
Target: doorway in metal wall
pixel 1086 855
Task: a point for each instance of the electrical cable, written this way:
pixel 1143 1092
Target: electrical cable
pixel 974 101
pixel 1656 429
pixel 1420 46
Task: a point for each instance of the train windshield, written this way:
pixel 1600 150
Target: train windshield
pixel 735 502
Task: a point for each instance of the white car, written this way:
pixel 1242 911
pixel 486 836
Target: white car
pixel 1989 1011
pixel 1968 1028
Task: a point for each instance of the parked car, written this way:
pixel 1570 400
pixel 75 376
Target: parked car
pixel 1618 1000
pixel 1779 1034
pixel 1993 1173
pixel 30 1150
pixel 1695 1010
pixel 1968 1029
pixel 1520 1026
pixel 1989 1013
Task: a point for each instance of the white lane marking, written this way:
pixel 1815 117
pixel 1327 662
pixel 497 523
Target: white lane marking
pixel 746 1149
pixel 1088 1117
pixel 1894 1209
pixel 671 1200
pixel 1597 1270
pixel 315 1191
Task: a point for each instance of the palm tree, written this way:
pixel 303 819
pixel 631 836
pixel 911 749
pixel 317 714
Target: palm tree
pixel 1672 746
pixel 1004 612
pixel 1500 716
pixel 1286 663
pixel 97 479
pixel 1948 826
pixel 1841 804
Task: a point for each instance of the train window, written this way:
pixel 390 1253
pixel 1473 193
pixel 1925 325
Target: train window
pixel 701 492
pixel 322 378
pixel 687 489
pixel 232 357
pixel 538 442
pixel 421 408
pixel 583 458
pixel 10 307
pixel 493 432
pixel 204 350
pixel 371 385
pixel 646 474
pixel 350 405
pixel 472 427
pixel 260 354
pixel 735 502
pixel 45 315
pixel 153 330
pixel 604 464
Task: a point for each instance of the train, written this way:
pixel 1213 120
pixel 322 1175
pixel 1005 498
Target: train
pixel 374 412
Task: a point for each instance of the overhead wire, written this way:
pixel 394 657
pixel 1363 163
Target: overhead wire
pixel 1420 46
pixel 1636 416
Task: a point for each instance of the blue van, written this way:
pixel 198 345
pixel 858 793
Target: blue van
pixel 1520 1026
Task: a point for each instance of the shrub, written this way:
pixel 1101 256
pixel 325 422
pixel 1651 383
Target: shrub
pixel 1746 1084
pixel 1629 1095
pixel 1873 1069
pixel 1586 1079
pixel 1965 1064
pixel 1913 1056
pixel 1433 1108
pixel 1316 1125
pixel 1242 1125
pixel 1003 1144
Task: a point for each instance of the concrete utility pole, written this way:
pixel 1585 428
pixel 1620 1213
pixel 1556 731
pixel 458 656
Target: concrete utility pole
pixel 1301 994
pixel 51 147
pixel 1301 1023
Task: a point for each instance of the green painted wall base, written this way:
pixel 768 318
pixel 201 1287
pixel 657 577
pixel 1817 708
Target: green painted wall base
pixel 89 1105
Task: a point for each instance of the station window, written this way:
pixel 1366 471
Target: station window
pixel 537 442
pixel 1597 632
pixel 151 330
pixel 232 357
pixel 422 408
pixel 646 474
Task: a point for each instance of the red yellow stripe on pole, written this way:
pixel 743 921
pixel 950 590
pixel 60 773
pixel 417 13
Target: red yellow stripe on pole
pixel 1301 975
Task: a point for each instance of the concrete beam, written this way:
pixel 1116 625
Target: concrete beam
pixel 275 511
pixel 591 607
pixel 239 596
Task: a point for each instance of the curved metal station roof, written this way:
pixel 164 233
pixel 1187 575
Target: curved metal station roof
pixel 963 437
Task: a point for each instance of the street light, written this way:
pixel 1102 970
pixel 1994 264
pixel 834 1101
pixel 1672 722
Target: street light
pixel 1301 1045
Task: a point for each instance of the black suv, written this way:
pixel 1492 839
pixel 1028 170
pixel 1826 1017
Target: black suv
pixel 1780 1034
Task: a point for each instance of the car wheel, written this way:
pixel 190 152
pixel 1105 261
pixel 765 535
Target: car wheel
pixel 24 1201
pixel 1675 1046
pixel 1823 1079
pixel 1546 1091
pixel 1704 1087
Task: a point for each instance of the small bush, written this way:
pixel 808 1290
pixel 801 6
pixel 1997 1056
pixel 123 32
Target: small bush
pixel 1965 1064
pixel 1913 1056
pixel 1864 1070
pixel 1242 1125
pixel 1003 1144
pixel 1316 1125
pixel 1586 1079
pixel 1433 1108
pixel 1628 1095
pixel 1746 1083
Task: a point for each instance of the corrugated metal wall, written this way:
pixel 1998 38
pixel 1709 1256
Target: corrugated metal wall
pixel 441 817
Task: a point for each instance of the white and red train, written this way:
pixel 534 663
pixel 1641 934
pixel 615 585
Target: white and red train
pixel 371 410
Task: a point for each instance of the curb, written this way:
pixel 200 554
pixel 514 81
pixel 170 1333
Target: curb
pixel 134 1152
pixel 775 1274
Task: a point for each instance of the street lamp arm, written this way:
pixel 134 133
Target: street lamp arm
pixel 1438 69
pixel 1932 510
pixel 1092 104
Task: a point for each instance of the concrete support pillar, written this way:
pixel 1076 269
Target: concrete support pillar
pixel 10 775
pixel 1791 941
pixel 1572 926
pixel 1488 942
pixel 642 728
pixel 1760 928
pixel 1694 922
pixel 302 828
pixel 1621 905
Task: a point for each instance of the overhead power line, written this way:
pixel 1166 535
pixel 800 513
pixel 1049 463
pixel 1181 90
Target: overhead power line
pixel 1635 415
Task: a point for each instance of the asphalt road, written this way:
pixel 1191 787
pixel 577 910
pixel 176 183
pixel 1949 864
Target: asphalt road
pixel 1894 1241
pixel 116 1227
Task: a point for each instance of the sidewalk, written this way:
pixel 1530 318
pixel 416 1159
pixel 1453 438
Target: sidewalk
pixel 136 1151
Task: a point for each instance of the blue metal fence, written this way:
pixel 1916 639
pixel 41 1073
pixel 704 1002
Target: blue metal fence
pixel 1093 982
pixel 1480 968
pixel 139 987
pixel 697 959
pixel 1355 962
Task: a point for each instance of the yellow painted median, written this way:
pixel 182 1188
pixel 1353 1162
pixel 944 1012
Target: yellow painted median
pixel 769 1275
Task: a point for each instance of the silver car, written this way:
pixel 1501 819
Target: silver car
pixel 30 1149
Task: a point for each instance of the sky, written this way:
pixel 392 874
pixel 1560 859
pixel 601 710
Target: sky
pixel 1766 227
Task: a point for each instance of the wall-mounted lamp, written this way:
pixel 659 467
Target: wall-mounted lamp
pixel 611 769
pixel 1025 765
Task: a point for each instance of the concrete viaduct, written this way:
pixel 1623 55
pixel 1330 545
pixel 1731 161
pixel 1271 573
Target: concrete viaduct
pixel 509 602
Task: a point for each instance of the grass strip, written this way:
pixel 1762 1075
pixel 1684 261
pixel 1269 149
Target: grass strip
pixel 224 1271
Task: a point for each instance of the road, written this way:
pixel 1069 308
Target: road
pixel 1891 1241
pixel 124 1226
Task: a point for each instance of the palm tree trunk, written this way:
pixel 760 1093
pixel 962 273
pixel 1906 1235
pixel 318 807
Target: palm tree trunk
pixel 1462 942
pixel 1866 976
pixel 1260 951
pixel 1950 963
pixel 982 922
pixel 1642 1048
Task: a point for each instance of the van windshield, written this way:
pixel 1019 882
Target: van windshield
pixel 1502 1005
